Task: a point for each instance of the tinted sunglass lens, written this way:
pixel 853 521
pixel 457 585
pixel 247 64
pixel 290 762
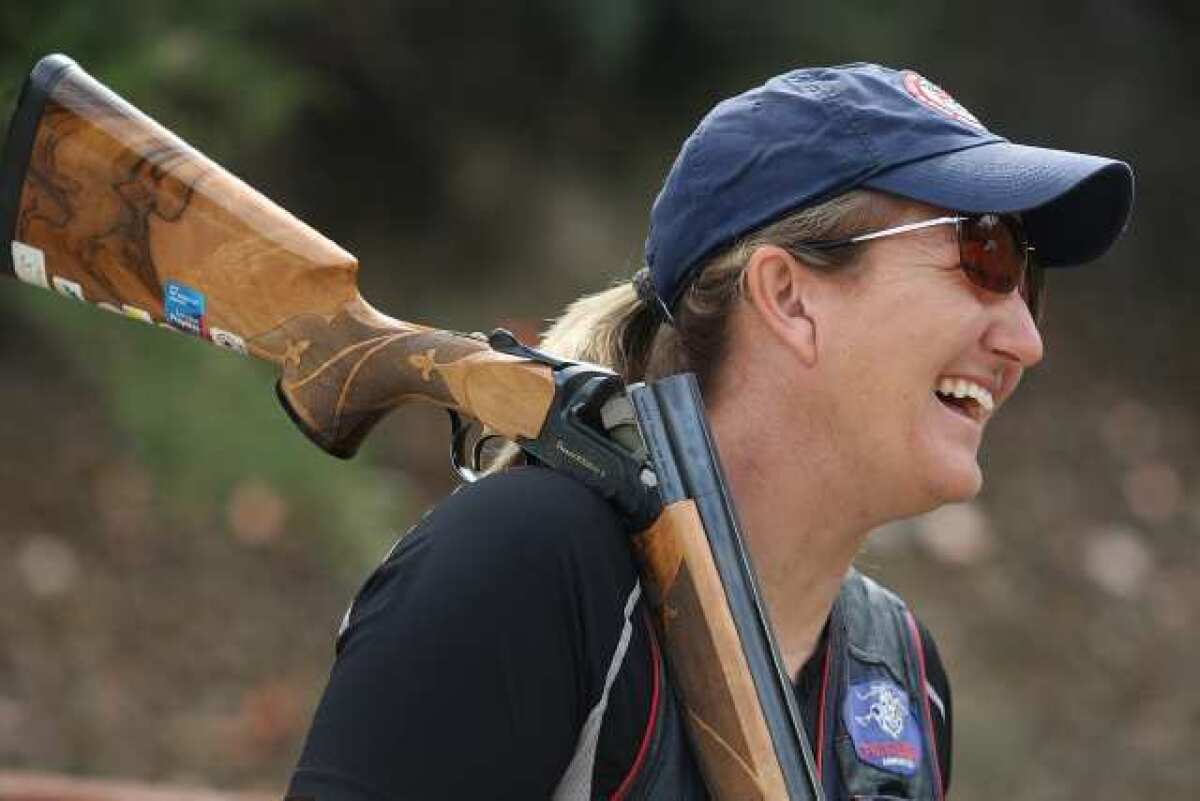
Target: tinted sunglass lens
pixel 995 255
pixel 990 253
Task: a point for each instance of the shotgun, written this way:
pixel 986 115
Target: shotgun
pixel 103 205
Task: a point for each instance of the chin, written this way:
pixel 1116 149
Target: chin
pixel 948 481
pixel 957 485
pixel 944 468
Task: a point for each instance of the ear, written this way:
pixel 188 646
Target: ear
pixel 780 291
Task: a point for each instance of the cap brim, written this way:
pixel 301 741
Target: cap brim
pixel 1074 205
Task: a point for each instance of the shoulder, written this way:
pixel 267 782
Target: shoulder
pixel 473 654
pixel 525 515
pixel 527 533
pixel 534 498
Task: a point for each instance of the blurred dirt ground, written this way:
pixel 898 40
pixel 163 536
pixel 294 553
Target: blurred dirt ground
pixel 184 654
pixel 49 787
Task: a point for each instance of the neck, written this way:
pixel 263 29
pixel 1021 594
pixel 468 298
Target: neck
pixel 803 533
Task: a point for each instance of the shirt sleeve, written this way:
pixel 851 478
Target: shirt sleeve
pixel 466 663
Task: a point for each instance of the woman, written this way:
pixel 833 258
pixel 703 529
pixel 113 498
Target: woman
pixel 843 257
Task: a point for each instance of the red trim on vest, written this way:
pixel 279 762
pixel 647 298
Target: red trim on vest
pixel 915 632
pixel 821 708
pixel 651 719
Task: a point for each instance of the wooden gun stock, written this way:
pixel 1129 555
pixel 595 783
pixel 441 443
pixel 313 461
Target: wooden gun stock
pixel 103 204
pixel 721 707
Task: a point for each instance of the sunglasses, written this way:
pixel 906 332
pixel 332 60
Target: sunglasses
pixel 993 252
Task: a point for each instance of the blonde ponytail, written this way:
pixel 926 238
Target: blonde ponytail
pixel 613 328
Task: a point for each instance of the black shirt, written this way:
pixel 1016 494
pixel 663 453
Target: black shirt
pixel 473 655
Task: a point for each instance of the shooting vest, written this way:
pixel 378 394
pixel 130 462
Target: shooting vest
pixel 875 739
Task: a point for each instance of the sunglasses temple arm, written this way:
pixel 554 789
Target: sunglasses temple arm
pixel 830 244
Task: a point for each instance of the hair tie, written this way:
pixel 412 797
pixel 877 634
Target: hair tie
pixel 643 284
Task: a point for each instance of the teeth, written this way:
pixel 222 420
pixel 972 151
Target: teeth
pixel 961 388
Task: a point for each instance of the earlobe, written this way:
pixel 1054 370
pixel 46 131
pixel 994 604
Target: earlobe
pixel 779 290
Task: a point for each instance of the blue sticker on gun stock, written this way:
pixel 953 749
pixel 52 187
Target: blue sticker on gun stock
pixel 184 307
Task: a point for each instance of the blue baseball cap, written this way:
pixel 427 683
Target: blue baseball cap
pixel 809 135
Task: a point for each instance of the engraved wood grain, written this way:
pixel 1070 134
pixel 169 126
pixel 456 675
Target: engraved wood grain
pixel 340 377
pixel 722 711
pixel 119 206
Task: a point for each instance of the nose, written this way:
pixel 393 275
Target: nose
pixel 1014 334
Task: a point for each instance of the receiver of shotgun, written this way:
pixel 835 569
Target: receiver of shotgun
pixel 101 204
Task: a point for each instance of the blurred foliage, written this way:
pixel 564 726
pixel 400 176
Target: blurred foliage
pixel 200 420
pixel 487 162
pixel 210 68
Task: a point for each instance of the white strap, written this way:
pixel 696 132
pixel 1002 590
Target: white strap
pixel 576 782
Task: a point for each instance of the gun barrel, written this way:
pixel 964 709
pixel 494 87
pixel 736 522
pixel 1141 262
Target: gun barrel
pixel 703 583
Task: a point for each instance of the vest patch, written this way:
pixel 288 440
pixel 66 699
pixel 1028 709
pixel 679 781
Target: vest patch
pixel 883 725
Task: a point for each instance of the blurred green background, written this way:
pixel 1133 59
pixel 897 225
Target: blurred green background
pixel 175 558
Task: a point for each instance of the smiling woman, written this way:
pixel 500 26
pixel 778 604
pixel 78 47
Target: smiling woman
pixel 896 363
pixel 844 257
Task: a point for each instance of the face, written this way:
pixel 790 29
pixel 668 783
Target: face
pixel 915 360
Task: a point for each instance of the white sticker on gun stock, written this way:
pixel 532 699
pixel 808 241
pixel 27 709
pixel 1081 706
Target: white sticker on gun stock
pixel 68 289
pixel 30 264
pixel 134 313
pixel 227 340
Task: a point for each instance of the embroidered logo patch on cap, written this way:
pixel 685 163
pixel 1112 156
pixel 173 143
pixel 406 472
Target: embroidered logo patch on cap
pixel 932 96
pixel 883 726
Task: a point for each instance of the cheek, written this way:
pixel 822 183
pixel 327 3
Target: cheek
pixel 889 343
pixel 880 372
